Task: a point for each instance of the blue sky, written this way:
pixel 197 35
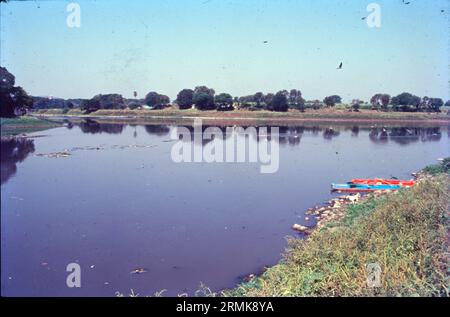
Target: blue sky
pixel 165 46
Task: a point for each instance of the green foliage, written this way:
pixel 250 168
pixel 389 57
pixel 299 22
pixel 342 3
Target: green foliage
pixel 13 100
pixel 185 98
pixel 442 167
pixel 279 102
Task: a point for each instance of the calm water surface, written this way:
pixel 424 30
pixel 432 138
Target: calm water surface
pixel 118 202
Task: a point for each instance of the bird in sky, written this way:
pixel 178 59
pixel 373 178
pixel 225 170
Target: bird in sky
pixel 340 66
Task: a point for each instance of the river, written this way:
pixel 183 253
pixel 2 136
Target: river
pixel 117 202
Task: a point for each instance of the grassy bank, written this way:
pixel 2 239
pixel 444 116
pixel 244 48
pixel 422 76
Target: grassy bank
pixel 25 124
pixel 406 233
pixel 267 116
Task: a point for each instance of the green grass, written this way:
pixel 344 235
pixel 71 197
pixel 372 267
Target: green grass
pixel 25 124
pixel 443 167
pixel 405 233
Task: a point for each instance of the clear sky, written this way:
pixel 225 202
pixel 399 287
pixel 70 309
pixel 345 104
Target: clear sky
pixel 165 46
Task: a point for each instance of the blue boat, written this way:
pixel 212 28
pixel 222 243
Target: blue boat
pixel 351 187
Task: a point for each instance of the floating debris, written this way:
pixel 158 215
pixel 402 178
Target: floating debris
pixel 54 155
pixel 300 228
pixel 138 271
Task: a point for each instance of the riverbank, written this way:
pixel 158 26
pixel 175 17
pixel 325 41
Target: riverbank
pixel 25 124
pixel 406 233
pixel 175 116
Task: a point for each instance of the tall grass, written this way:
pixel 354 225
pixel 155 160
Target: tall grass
pixel 405 233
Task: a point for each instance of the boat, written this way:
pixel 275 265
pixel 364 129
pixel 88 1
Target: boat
pixel 381 181
pixel 352 187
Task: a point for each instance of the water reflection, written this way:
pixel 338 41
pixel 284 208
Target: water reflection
pixel 13 151
pixel 94 127
pixel 290 135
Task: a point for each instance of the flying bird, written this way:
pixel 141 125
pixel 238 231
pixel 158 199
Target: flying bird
pixel 265 42
pixel 340 66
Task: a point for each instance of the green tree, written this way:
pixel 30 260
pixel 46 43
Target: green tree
pixel 331 101
pixel 98 102
pixel 185 98
pixel 204 101
pixel 279 102
pixel 224 102
pixel 296 101
pixel 13 100
pixel 204 98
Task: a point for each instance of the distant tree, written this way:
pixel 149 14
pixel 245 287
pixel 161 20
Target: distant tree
pixel 316 104
pixel 204 98
pixel 435 104
pixel 152 99
pixel 447 104
pixel 13 100
pixel 109 101
pixel 185 98
pixel 258 98
pixel 133 105
pixel 204 90
pixel 164 100
pixel 380 101
pixel 204 101
pixel 356 105
pixel 224 102
pixel 70 105
pixel 331 101
pixel 296 101
pixel 268 99
pixel 279 102
pixel 406 100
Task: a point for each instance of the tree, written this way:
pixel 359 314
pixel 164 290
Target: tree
pixel 405 100
pixel 279 102
pixel 435 104
pixel 447 104
pixel 152 99
pixel 295 100
pixel 185 98
pixel 13 100
pixel 204 98
pixel 331 101
pixel 268 99
pixel 205 90
pixel 258 98
pixel 356 105
pixel 224 102
pixel 204 101
pixel 316 104
pixel 380 100
pixel 109 101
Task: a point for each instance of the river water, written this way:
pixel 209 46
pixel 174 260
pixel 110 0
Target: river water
pixel 119 202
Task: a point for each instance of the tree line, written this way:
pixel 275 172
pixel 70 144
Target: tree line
pixel 15 101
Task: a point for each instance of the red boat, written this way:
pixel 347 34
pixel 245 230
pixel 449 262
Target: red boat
pixel 380 181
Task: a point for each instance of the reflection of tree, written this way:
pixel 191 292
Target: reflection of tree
pixel 159 130
pixel 405 135
pixel 93 127
pixel 330 133
pixel 13 151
